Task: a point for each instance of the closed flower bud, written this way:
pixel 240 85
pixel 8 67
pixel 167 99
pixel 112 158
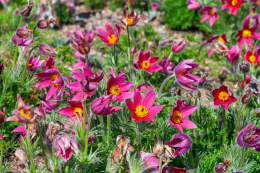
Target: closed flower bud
pixel 47 50
pixel 244 66
pixel 166 42
pixel 219 47
pixel 45 23
pixel 246 96
pixel 23 33
pixel 222 167
pixel 179 45
pixel 26 11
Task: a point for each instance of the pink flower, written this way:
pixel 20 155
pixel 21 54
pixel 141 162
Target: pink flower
pixel 131 19
pixel 22 129
pixel 1 136
pixel 51 78
pixel 49 105
pixel 246 34
pixel 155 6
pixel 249 136
pixel 147 63
pixel 2 115
pixel 109 36
pixel 22 41
pixel 151 161
pixel 193 4
pixel 252 59
pixel 70 5
pixel 118 87
pixel 47 50
pixel 177 117
pixel 248 79
pixel 165 64
pixel 16 11
pixel 142 109
pixel 63 147
pixel 80 64
pixel 222 38
pixel 182 141
pixel 233 54
pixel 182 75
pixel 209 12
pixel 34 64
pixel 143 89
pixel 175 170
pixel 75 109
pixel 233 6
pixel 49 64
pixel 3 1
pixel 179 45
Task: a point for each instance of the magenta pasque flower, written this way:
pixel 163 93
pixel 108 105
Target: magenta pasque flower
pixel 63 147
pixel 249 136
pixel 182 75
pixel 222 38
pixel 233 6
pixel 22 41
pixel 179 45
pixel 49 105
pixel 34 64
pixel 246 34
pixel 75 109
pixel 233 54
pixel 209 13
pixel 165 64
pixel 151 161
pixel 109 36
pixel 175 170
pixel 155 6
pixel 132 18
pixel 182 141
pixel 80 64
pixel 142 109
pixel 193 4
pixel 51 78
pixel 49 64
pixel 47 50
pixel 22 129
pixel 177 116
pixel 252 58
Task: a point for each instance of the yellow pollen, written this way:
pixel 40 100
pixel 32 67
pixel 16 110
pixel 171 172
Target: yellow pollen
pixel 246 33
pixel 56 84
pixel 112 39
pixel 25 114
pixel 221 39
pixel 223 95
pixel 176 117
pixel 129 20
pixel 30 126
pixel 54 76
pixel 182 73
pixel 146 64
pixel 115 89
pixel 30 65
pixel 252 58
pixel 234 2
pixel 211 11
pixel 141 111
pixel 78 111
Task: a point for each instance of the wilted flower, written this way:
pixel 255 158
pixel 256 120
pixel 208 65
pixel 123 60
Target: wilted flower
pixel 233 6
pixel 219 47
pixel 162 150
pixel 233 54
pixel 27 9
pixel 142 108
pixel 34 64
pixel 150 161
pixel 49 64
pixel 249 136
pixel 123 147
pixel 75 109
pixel 223 96
pixel 2 115
pixel 209 12
pixel 193 4
pixel 45 23
pixel 244 66
pixel 246 96
pixel 132 18
pixel 47 50
pixel 165 64
pixel 222 167
pixel 248 79
pixel 22 42
pixel 64 146
pixel 179 45
pixel 51 131
pixel 175 170
pixel 222 38
pixel 251 58
pixel 155 6
pixel 166 42
pixel 182 75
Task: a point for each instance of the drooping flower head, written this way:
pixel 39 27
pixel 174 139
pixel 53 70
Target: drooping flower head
pixel 222 167
pixel 123 148
pixel 223 96
pixel 34 64
pixel 177 116
pixel 150 161
pixel 233 54
pixel 74 110
pixel 49 64
pixel 47 50
pixel 182 75
pixel 233 6
pixel 142 109
pixel 110 37
pixel 251 58
pixel 249 136
pixel 193 4
pixel 22 41
pixel 179 45
pixel 45 23
pixel 209 13
pixel 131 19
pixel 165 64
pixel 222 38
pixel 27 9
pixel 23 33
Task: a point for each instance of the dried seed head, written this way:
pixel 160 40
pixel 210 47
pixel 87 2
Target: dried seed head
pixel 219 47
pixel 246 96
pixel 166 42
pixel 27 9
pixel 204 78
pixel 222 167
pixel 244 66
pixel 176 91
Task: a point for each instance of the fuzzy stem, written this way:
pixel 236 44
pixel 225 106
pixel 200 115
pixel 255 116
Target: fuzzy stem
pixel 150 138
pixel 191 159
pixel 164 82
pixel 2 152
pixel 84 120
pixel 17 43
pixel 139 142
pixel 109 129
pixel 170 55
pixel 224 125
pixel 198 55
pixel 8 65
pixel 29 147
pixel 34 36
pixel 54 158
pixel 235 133
pixel 42 146
pixel 160 164
pixel 102 128
pixel 129 51
pixel 244 81
pixel 121 163
pixel 86 141
pixel 242 157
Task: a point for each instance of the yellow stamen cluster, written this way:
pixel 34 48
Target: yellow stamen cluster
pixel 234 2
pixel 221 39
pixel 146 64
pixel 176 117
pixel 246 33
pixel 183 73
pixel 54 76
pixel 129 20
pixel 30 65
pixel 25 113
pixel 115 89
pixel 223 95
pixel 141 111
pixel 78 111
pixel 252 58
pixel 211 11
pixel 112 39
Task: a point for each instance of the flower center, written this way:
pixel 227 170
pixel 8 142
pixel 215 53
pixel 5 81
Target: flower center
pixel 252 58
pixel 30 65
pixel 129 20
pixel 25 113
pixel 115 89
pixel 221 39
pixel 141 111
pixel 176 117
pixel 183 73
pixel 146 64
pixel 78 111
pixel 234 2
pixel 246 33
pixel 223 95
pixel 112 39
pixel 54 76
pixel 211 11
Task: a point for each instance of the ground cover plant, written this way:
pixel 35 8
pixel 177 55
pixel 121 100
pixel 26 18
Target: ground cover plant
pixel 149 103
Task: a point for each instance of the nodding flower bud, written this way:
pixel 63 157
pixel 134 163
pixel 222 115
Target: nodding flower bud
pixel 222 167
pixel 246 96
pixel 47 50
pixel 257 49
pixel 27 9
pixel 166 42
pixel 45 23
pixel 219 47
pixel 244 66
pixel 178 45
pixel 152 45
pixel 23 33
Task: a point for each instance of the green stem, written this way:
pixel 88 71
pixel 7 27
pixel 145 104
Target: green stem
pixel 108 128
pixel 139 142
pixel 86 141
pixel 235 133
pixel 102 128
pixel 242 157
pixel 164 82
pixel 224 125
pixel 150 138
pixel 84 120
pixel 121 163
pixel 131 60
pixel 54 159
pixel 34 36
pixel 2 142
pixel 42 146
pixel 160 164
pixel 17 43
pixel 191 160
pixel 29 148
pixel 8 65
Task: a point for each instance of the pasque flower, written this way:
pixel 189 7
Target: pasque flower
pixel 23 33
pixel 179 45
pixel 233 6
pixel 123 148
pixel 2 115
pixel 246 34
pixel 109 36
pixel 182 75
pixel 193 4
pixel 177 116
pixel 47 50
pixel 100 106
pixel 22 41
pixel 3 1
pixel 223 96
pixel 45 23
pixel 49 64
pixel 165 64
pixel 142 109
pixel 74 109
pixel 49 105
pixel 219 47
pixel 63 147
pixel 222 38
pixel 80 64
pixel 248 79
pixel 175 170
pixel 132 18
pixel 249 136
pixel 209 12
pixel 233 54
pixel 51 78
pixel 22 129
pixel 155 6
pixel 222 167
pixel 34 64
pixel 143 89
pixel 182 141
pixel 150 161
pixel 118 87
pixel 27 9
pixel 252 58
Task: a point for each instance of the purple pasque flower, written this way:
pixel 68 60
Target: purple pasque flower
pixel 182 75
pixel 47 50
pixel 51 78
pixel 49 105
pixel 249 136
pixel 151 161
pixel 81 42
pixel 175 170
pixel 165 64
pixel 179 45
pixel 209 13
pixel 74 109
pixel 34 64
pixel 233 54
pixel 222 38
pixel 100 106
pixel 49 64
pixel 63 147
pixel 22 41
pixel 182 141
pixel 131 19
pixel 86 83
pixel 80 64
pixel 193 4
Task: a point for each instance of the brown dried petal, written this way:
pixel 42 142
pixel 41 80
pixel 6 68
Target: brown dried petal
pixel 21 155
pixel 222 167
pixel 246 96
pixel 116 155
pixel 219 47
pixel 51 132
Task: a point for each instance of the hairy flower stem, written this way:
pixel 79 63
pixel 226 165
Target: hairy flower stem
pixel 42 146
pixel 191 160
pixel 242 157
pixel 160 164
pixel 139 141
pixel 116 60
pixel 170 56
pixel 198 55
pixel 84 120
pixel 54 158
pixel 2 142
pixel 108 129
pixel 29 148
pixel 33 33
pixel 235 133
pixel 17 43
pixel 121 163
pixel 150 138
pixel 244 81
pixel 102 128
pixel 224 125
pixel 129 51
pixel 86 141
pixel 164 82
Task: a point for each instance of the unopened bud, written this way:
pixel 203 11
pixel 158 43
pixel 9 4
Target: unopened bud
pixel 222 167
pixel 246 96
pixel 47 50
pixel 45 23
pixel 179 45
pixel 23 33
pixel 166 42
pixel 244 66
pixel 26 11
pixel 219 47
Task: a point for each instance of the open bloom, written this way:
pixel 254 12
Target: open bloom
pixel 175 170
pixel 34 64
pixel 251 58
pixel 51 78
pixel 182 141
pixel 49 64
pixel 182 75
pixel 142 108
pixel 246 34
pixel 22 129
pixel 132 18
pixel 222 38
pixel 165 64
pixel 155 6
pixel 64 145
pixel 179 45
pixel 118 87
pixel 75 109
pixel 233 54
pixel 249 136
pixel 150 161
pixel 248 79
pixel 209 12
pixel 193 4
pixel 22 41
pixel 2 115
pixel 80 64
pixel 147 63
pixel 223 96
pixel 233 6
pixel 177 117
pixel 24 113
pixel 109 36
pixel 49 105
pixel 123 148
